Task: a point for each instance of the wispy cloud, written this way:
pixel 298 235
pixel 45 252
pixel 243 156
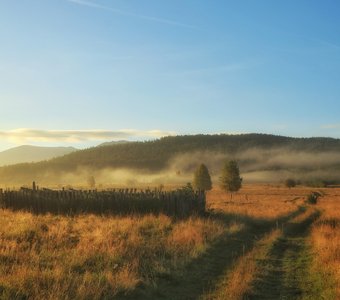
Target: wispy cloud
pixel 133 15
pixel 24 135
pixel 331 126
pixel 217 70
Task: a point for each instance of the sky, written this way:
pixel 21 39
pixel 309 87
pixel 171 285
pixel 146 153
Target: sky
pixel 77 73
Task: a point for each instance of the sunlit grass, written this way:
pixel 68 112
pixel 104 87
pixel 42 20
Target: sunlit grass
pixel 325 240
pixel 258 201
pixel 93 257
pixel 88 256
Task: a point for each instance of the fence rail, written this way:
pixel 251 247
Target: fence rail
pixel 179 203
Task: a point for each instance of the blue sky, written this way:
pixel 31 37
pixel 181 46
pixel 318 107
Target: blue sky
pixel 76 72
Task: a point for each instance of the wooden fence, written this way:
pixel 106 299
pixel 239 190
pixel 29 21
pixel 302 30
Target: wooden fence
pixel 179 203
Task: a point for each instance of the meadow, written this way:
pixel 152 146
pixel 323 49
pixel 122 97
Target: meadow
pixel 264 242
pixel 325 241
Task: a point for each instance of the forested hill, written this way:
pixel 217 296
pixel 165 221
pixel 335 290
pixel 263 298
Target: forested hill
pixel 156 155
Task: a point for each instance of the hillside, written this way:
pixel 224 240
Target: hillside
pixel 319 157
pixel 27 154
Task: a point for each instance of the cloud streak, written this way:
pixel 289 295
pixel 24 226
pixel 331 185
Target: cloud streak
pixel 331 126
pixel 23 135
pixel 129 14
pixel 218 69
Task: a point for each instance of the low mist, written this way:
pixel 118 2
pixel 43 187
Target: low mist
pixel 256 165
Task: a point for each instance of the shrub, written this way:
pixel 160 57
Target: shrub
pixel 313 197
pixel 290 183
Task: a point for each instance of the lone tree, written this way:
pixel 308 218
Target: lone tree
pixel 230 179
pixel 202 180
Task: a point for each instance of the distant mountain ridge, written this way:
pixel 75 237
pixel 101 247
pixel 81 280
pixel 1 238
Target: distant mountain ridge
pixel 261 157
pixel 28 154
pixel 113 143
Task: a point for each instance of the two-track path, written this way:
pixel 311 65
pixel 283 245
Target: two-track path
pixel 285 272
pixel 282 274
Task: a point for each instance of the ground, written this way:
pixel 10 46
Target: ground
pixel 264 242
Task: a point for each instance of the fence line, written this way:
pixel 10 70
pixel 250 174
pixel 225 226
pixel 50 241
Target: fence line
pixel 179 203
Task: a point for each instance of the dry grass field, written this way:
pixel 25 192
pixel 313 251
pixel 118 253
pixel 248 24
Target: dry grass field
pixel 262 242
pixel 50 257
pixel 265 202
pixel 325 240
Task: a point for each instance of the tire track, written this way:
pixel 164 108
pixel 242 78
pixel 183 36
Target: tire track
pixel 285 270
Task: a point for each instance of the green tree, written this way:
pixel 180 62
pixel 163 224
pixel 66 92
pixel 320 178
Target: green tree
pixel 230 179
pixel 202 179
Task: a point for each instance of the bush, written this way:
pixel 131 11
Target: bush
pixel 290 183
pixel 313 198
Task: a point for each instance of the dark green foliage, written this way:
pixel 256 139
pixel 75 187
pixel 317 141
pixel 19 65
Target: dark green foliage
pixel 290 183
pixel 230 178
pixel 202 179
pixel 179 203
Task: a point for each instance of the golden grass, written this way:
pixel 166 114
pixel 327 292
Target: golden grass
pixel 93 257
pixel 258 201
pixel 325 240
pixel 90 257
